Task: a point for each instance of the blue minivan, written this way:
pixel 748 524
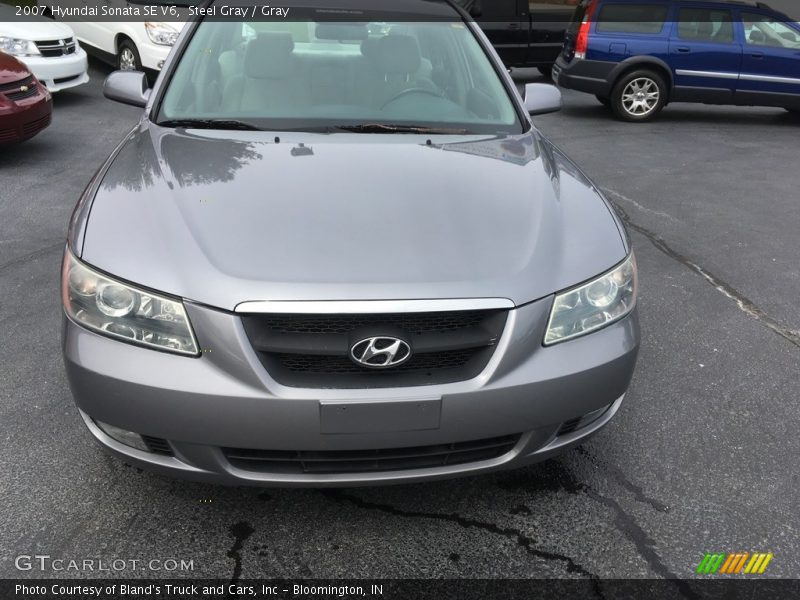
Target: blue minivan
pixel 637 56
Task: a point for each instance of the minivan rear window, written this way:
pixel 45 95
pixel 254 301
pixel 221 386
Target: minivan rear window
pixel 632 18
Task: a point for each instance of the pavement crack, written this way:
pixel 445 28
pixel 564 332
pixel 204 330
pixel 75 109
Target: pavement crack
pixel 746 305
pixel 32 255
pixel 644 544
pixel 511 533
pixel 240 532
pixel 622 479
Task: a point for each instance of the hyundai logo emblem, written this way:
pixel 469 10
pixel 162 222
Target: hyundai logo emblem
pixel 380 352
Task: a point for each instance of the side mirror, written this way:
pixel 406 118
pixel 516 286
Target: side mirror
pixel 542 98
pixel 128 87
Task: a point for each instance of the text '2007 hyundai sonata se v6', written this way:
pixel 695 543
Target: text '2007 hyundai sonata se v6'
pixel 339 253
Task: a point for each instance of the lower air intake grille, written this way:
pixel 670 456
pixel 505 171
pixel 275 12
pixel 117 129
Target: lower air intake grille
pixel 363 461
pixel 314 350
pixel 35 126
pixel 157 445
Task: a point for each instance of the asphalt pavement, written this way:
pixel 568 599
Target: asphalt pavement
pixel 702 457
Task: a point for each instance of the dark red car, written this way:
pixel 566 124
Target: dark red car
pixel 25 105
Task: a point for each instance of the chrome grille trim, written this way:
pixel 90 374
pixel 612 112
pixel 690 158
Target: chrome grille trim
pixel 347 307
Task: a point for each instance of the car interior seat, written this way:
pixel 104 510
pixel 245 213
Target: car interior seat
pixel 270 77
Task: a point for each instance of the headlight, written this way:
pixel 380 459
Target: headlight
pixel 17 47
pixel 120 311
pixel 161 33
pixel 593 305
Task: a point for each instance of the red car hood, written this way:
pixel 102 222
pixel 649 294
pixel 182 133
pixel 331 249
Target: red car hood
pixel 11 69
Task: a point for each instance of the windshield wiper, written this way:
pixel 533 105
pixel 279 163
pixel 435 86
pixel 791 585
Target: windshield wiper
pixel 209 124
pixel 388 128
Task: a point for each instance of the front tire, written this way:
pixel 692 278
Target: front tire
pixel 639 96
pixel 128 57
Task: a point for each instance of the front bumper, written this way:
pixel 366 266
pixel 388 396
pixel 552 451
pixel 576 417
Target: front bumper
pixel 60 72
pixel 226 398
pixel 22 120
pixel 153 55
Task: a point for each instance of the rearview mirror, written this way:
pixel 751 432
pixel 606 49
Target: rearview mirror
pixel 542 98
pixel 128 87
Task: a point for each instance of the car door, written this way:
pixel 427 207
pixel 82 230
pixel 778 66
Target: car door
pixel 98 35
pixel 549 20
pixel 771 63
pixel 507 26
pixel 705 54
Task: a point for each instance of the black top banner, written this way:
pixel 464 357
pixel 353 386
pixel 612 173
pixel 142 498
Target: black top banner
pixel 230 10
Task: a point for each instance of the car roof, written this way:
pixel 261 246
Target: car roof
pixel 753 4
pixel 360 10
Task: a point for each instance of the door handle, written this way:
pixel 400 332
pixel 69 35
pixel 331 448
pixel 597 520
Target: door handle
pixel 758 55
pixel 684 49
pixel 514 26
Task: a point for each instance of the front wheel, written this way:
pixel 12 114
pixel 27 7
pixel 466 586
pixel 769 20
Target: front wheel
pixel 128 57
pixel 639 96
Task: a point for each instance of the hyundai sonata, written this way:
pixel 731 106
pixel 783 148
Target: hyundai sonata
pixel 340 253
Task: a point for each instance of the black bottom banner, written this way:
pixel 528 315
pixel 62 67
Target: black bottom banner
pixel 399 589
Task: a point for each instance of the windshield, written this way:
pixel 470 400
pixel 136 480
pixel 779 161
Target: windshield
pixel 330 76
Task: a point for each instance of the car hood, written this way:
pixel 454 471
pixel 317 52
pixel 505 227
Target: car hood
pixel 33 28
pixel 227 217
pixel 11 69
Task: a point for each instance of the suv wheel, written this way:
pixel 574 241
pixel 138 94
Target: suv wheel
pixel 639 96
pixel 128 57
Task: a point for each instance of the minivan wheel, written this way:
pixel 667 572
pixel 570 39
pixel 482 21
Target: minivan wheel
pixel 128 57
pixel 639 96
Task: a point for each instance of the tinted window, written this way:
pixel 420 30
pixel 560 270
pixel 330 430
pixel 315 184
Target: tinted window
pixel 309 76
pixel 762 30
pixel 705 25
pixel 632 18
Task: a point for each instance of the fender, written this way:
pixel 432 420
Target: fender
pixel 641 60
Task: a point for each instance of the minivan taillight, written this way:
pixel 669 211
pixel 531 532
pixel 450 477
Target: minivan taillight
pixel 582 41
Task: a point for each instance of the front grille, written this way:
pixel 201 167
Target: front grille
pixel 363 461
pixel 314 350
pixel 157 445
pixel 15 85
pixel 22 95
pixel 410 322
pixel 36 126
pixel 342 364
pixel 52 48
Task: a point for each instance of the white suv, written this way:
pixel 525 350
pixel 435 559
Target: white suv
pixel 48 49
pixel 129 46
